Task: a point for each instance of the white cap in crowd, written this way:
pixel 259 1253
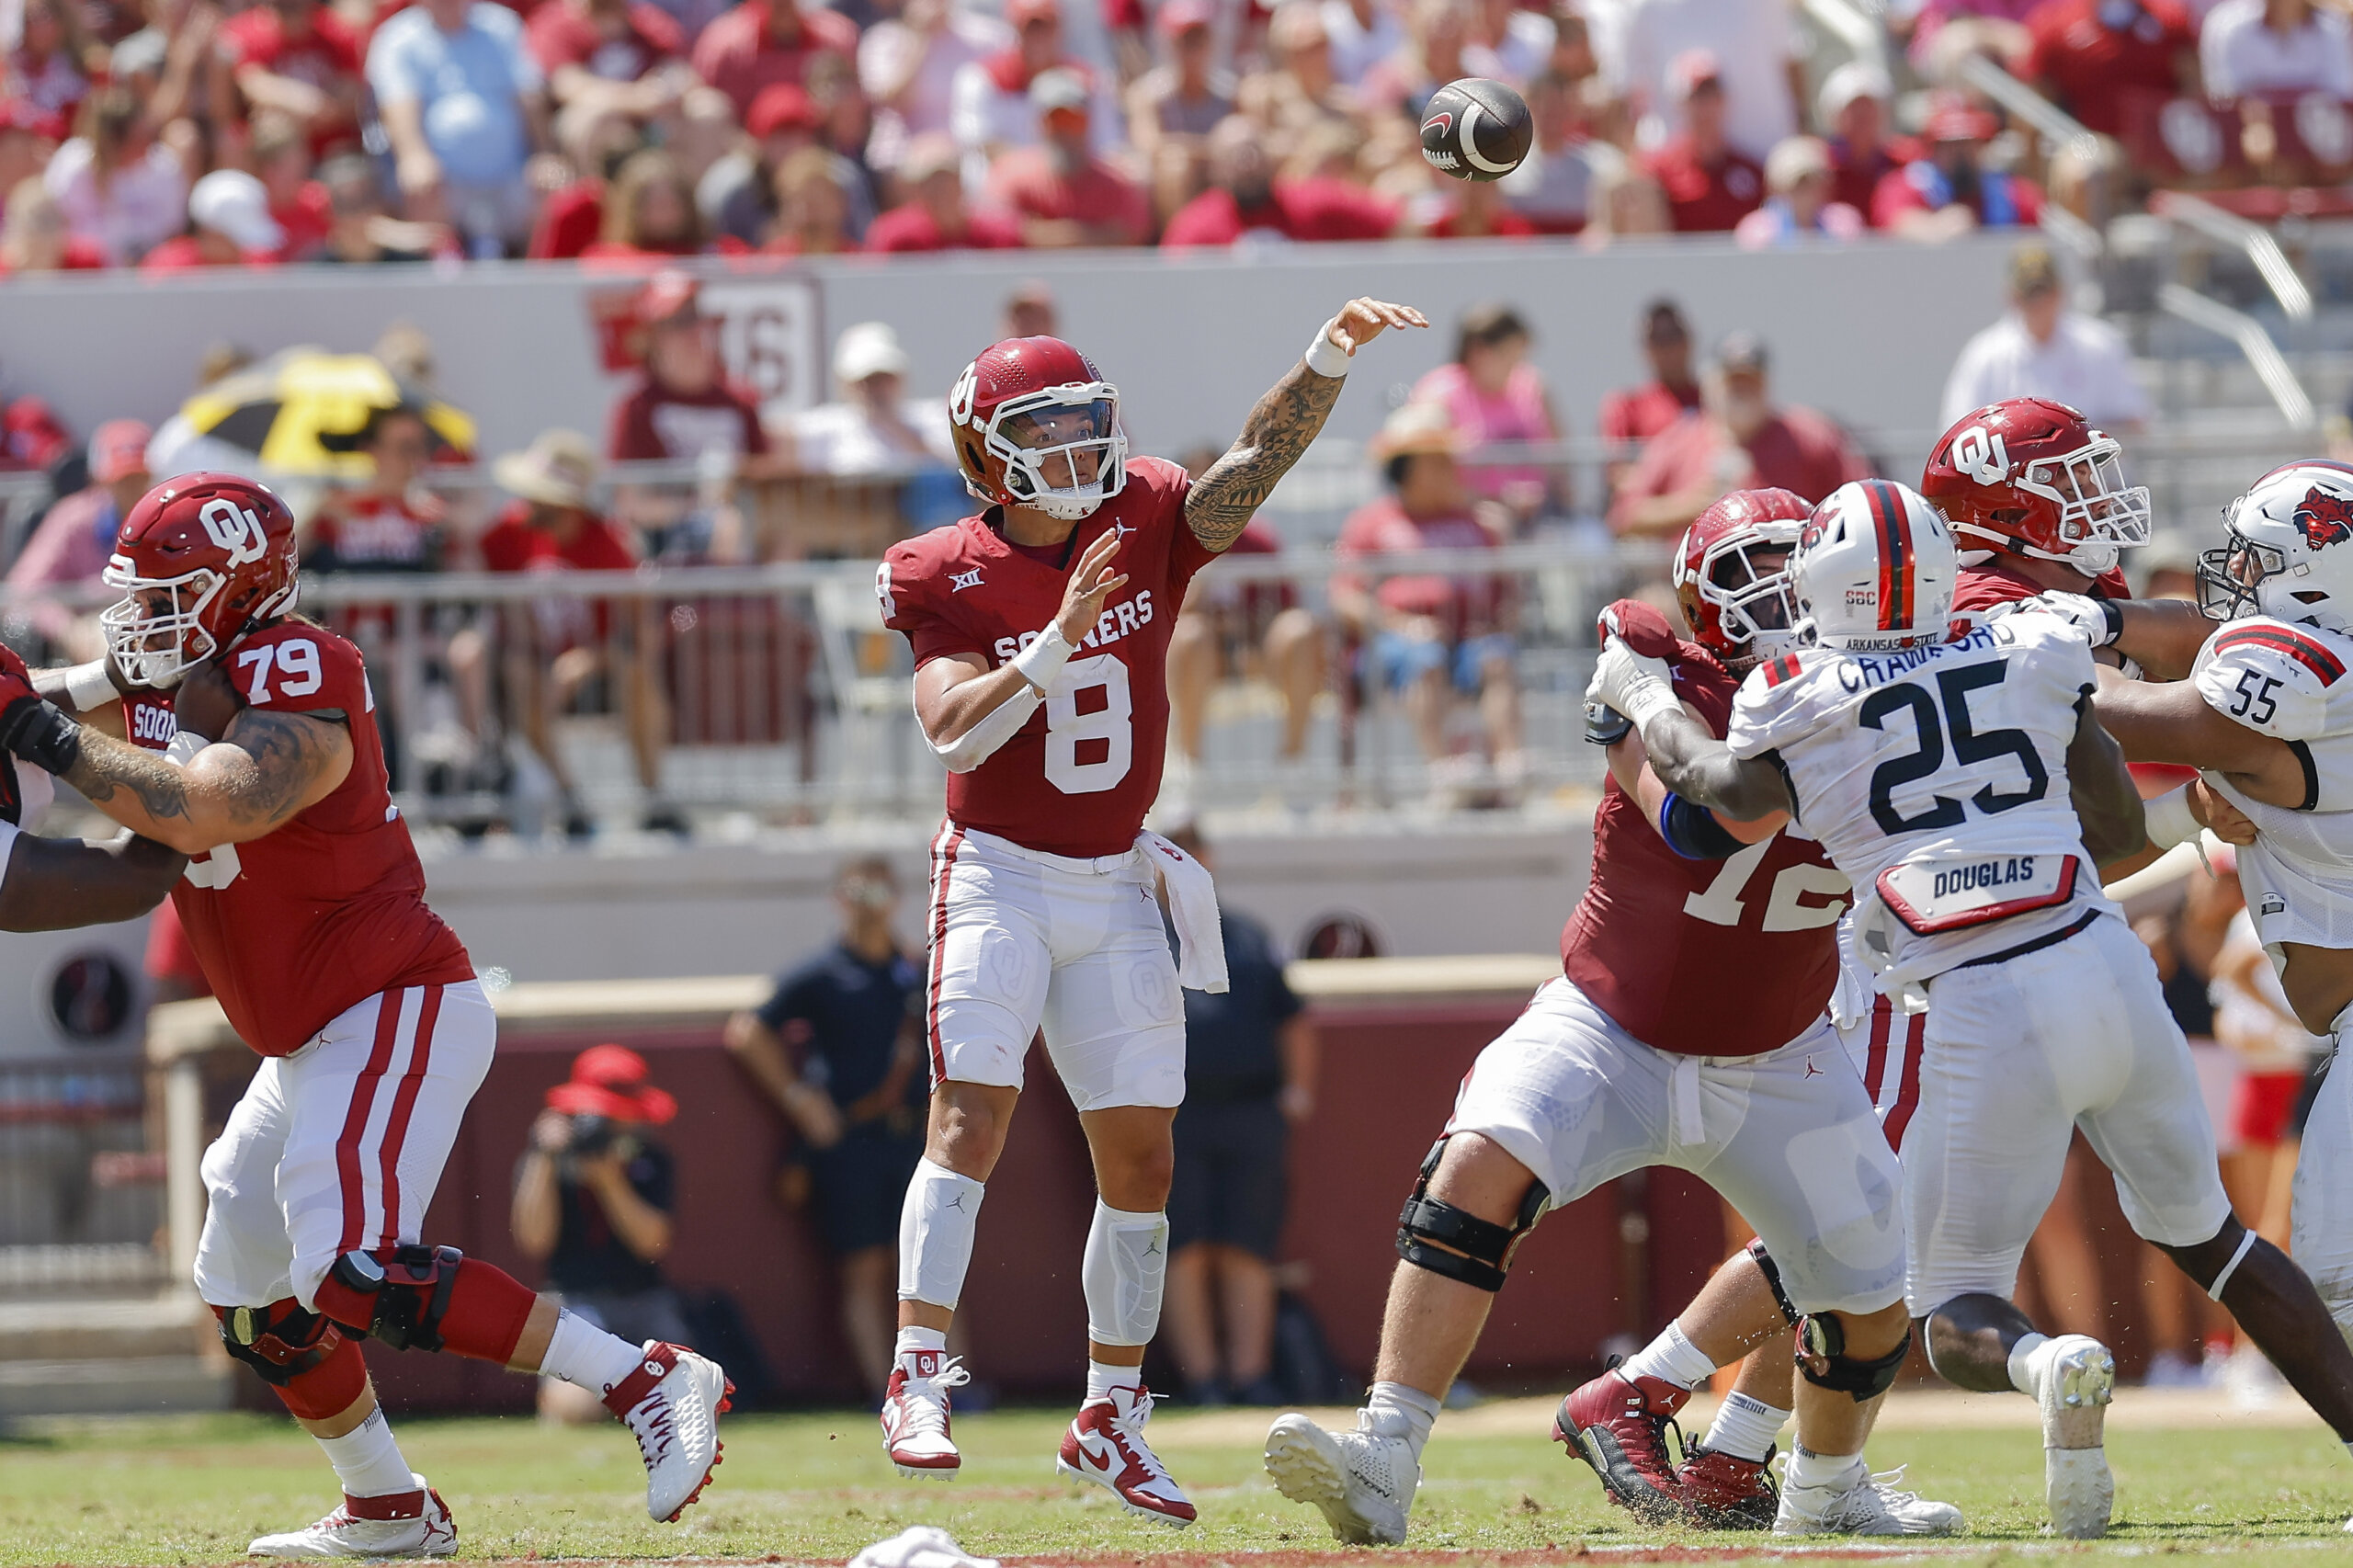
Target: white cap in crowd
pixel 231 202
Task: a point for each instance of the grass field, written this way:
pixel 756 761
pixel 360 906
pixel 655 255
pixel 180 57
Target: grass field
pixel 815 1488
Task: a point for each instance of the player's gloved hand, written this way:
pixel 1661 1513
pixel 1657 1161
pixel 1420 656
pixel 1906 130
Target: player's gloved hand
pixel 207 702
pixel 1636 685
pixel 2098 619
pixel 31 728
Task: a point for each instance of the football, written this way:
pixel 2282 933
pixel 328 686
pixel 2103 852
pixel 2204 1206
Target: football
pixel 1476 129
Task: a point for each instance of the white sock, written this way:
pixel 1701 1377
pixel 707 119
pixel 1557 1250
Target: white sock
pixel 367 1462
pixel 1745 1428
pixel 912 1340
pixel 2021 1371
pixel 1392 1410
pixel 1672 1357
pixel 937 1223
pixel 581 1353
pixel 1102 1377
pixel 1810 1469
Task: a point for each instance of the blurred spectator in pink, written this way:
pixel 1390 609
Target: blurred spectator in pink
pixel 1507 43
pixel 812 207
pixel 1300 91
pixel 935 217
pixel 1492 396
pixel 764 41
pixel 1552 188
pixel 1737 441
pixel 1185 95
pixel 1363 34
pixel 990 105
pixel 71 547
pixel 121 189
pixel 907 65
pixel 30 436
pixel 299 205
pixel 1798 201
pixel 649 211
pixel 625 56
pixel 27 138
pixel 2253 48
pixel 1432 56
pixel 45 68
pixel 361 230
pixel 299 59
pixel 2092 57
pixel 1750 42
pixel 229 225
pixel 682 405
pixel 1951 191
pixel 1710 185
pixel 1063 194
pixel 1245 197
pixel 1627 202
pixel 1476 210
pixel 462 104
pixel 35 236
pixel 1854 107
pixel 1631 416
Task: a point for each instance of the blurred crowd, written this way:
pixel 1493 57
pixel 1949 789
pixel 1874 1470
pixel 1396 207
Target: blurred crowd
pixel 179 134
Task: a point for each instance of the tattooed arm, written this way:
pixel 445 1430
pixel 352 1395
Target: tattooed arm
pixel 271 766
pixel 1287 419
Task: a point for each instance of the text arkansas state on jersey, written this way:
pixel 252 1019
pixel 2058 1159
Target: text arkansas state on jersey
pixel 1078 779
pixel 1658 940
pixel 329 910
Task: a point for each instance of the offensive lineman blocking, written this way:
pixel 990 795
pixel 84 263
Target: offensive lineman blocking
pixel 1061 597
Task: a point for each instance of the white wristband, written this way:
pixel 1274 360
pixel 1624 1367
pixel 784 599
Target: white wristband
pixel 1647 700
pixel 2167 821
pixel 184 747
pixel 1325 356
pixel 1043 660
pixel 88 686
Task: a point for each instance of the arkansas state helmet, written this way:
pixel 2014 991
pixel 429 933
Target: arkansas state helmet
pixel 199 560
pixel 1035 424
pixel 1732 575
pixel 1875 569
pixel 2290 549
pixel 2030 476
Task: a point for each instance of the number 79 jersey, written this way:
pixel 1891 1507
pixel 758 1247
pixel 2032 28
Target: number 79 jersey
pixel 1078 779
pixel 1937 778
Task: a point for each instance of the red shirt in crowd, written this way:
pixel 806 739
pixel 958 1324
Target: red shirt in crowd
pixel 180 254
pixel 2094 70
pixel 1854 178
pixel 736 55
pixel 912 228
pixel 307 220
pixel 1634 415
pixel 1465 607
pixel 655 423
pixel 1706 197
pixel 1297 210
pixel 82 254
pixel 570 221
pixel 512 545
pixel 1508 225
pixel 1798 449
pixel 1904 191
pixel 560 34
pixel 1025 181
pixel 327 58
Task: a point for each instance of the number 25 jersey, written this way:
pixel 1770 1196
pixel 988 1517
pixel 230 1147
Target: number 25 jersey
pixel 1078 779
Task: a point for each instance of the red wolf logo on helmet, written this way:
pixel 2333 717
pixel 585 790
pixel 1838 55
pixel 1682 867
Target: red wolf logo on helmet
pixel 2324 518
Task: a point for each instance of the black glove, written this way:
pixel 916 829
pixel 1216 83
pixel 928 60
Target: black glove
pixel 40 733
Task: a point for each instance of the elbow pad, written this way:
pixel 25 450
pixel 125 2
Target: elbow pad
pixel 1693 831
pixel 1000 724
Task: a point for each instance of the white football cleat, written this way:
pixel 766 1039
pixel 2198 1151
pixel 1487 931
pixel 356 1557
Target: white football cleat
pixel 2074 1378
pixel 1105 1444
pixel 1363 1482
pixel 915 1406
pixel 1861 1504
pixel 402 1523
pixel 671 1404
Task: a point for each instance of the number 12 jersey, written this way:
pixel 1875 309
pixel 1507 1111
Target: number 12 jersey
pixel 1078 779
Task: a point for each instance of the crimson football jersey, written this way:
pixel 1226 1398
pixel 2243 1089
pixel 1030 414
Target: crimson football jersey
pixel 327 911
pixel 1704 958
pixel 1996 582
pixel 1078 779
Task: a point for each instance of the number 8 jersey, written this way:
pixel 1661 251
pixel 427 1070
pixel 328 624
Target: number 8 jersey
pixel 328 909
pixel 1078 779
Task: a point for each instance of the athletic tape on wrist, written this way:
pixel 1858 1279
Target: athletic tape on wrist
pixel 1647 699
pixel 1325 356
pixel 88 686
pixel 1043 660
pixel 2167 819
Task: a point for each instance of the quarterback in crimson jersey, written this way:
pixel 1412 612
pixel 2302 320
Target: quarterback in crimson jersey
pixel 222 726
pixel 1040 633
pixel 1631 1060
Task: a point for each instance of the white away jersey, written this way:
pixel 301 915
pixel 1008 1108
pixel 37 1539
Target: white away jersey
pixel 1937 778
pixel 2289 682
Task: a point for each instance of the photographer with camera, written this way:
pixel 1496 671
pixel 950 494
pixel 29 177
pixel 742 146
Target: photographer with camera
pixel 592 1206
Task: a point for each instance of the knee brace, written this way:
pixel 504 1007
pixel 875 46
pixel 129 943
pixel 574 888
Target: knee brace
pixel 1772 1272
pixel 1481 1250
pixel 398 1296
pixel 1823 1358
pixel 1123 1271
pixel 317 1373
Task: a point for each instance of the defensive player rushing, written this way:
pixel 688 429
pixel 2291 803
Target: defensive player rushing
pixel 1635 1057
pixel 2037 502
pixel 253 748
pixel 1041 635
pixel 1957 775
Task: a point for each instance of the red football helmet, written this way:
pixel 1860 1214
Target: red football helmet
pixel 199 560
pixel 1738 605
pixel 1035 425
pixel 2029 476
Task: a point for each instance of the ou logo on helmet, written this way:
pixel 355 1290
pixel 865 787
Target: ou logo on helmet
pixel 1981 455
pixel 235 529
pixel 959 401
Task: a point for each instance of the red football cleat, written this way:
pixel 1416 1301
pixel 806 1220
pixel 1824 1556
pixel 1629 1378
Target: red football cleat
pixel 1105 1444
pixel 1725 1491
pixel 1618 1424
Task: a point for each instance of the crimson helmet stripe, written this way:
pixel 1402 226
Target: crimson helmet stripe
pixel 2313 654
pixel 1894 554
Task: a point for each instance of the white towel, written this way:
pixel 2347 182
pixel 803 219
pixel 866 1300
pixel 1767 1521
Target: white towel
pixel 922 1547
pixel 1192 905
